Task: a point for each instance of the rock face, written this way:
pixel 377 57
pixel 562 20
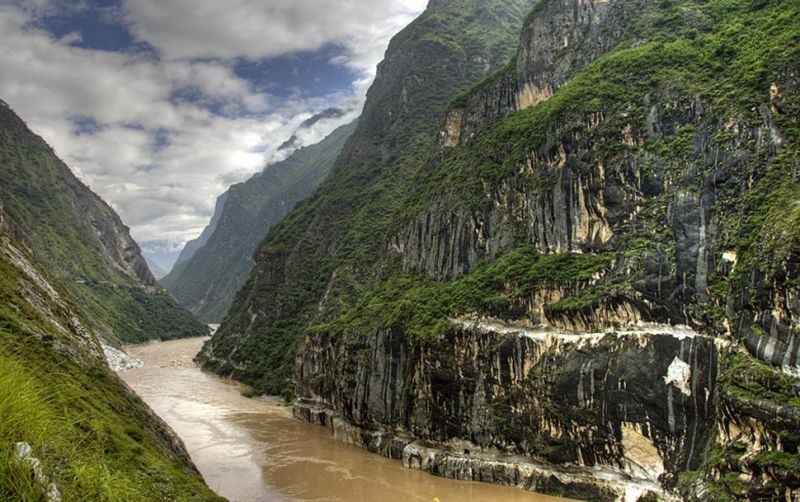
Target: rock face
pixel 82 241
pixel 640 402
pixel 222 257
pixel 579 201
pixel 592 276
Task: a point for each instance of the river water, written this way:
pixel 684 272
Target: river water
pixel 250 450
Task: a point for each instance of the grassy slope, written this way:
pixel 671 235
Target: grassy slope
pixel 207 283
pixel 57 213
pixel 96 440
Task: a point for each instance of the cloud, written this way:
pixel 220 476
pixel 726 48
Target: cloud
pixel 254 29
pixel 51 83
pixel 160 133
pixel 316 128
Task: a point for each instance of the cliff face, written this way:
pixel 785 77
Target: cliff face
pixel 82 241
pixel 207 282
pixel 677 179
pixel 637 405
pixel 514 321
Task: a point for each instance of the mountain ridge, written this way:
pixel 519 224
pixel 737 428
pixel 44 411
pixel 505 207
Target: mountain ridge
pixel 192 246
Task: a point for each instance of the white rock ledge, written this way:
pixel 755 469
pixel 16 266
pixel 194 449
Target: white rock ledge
pixel 119 360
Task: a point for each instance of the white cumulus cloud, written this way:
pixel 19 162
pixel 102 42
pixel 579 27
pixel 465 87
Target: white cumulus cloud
pixel 160 133
pixel 258 29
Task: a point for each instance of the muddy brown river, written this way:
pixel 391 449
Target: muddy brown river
pixel 250 450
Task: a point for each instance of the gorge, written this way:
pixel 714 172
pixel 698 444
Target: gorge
pixel 558 252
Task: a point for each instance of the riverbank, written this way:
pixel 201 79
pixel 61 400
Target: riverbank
pixel 252 450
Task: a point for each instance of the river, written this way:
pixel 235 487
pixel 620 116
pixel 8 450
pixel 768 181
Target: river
pixel 251 450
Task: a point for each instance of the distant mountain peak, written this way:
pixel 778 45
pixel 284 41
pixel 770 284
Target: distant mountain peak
pixel 207 279
pixel 293 142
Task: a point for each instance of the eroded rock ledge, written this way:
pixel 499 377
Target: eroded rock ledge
pixel 599 416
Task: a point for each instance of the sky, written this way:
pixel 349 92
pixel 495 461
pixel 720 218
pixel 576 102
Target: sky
pixel 160 105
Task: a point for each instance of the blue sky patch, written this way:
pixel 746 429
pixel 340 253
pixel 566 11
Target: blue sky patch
pixel 100 27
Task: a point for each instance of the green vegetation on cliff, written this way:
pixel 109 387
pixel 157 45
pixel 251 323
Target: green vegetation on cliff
pixel 330 244
pixel 726 56
pixel 421 307
pixel 82 242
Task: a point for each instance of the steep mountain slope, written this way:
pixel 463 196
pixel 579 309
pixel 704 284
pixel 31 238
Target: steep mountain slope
pixel 634 168
pixel 157 271
pixel 81 241
pixel 328 246
pixel 194 245
pixel 327 120
pixel 510 316
pixel 207 282
pixel 304 129
pixel 93 438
